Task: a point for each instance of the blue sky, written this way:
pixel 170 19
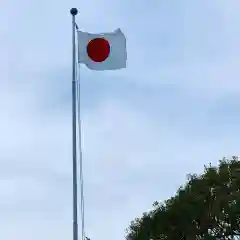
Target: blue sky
pixel 175 108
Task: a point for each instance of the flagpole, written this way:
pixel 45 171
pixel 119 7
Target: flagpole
pixel 74 12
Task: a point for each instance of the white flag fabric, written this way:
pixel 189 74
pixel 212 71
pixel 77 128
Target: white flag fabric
pixel 103 51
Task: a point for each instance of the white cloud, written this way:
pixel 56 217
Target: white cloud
pixel 130 158
pixel 127 156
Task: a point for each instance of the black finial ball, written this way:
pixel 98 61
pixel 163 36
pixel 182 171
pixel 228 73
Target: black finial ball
pixel 74 11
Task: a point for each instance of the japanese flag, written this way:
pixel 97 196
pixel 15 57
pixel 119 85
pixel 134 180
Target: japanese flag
pixel 104 51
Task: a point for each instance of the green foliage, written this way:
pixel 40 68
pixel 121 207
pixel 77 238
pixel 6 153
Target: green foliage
pixel 207 207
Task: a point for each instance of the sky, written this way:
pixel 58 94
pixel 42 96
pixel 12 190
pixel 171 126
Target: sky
pixel 175 108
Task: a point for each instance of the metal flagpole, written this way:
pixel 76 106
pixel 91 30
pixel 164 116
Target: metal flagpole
pixel 74 12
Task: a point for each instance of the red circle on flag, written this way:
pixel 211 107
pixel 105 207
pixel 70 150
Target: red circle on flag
pixel 98 49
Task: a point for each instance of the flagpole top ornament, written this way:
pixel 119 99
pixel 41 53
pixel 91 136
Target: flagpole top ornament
pixel 74 11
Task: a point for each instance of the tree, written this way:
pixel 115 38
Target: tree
pixel 207 207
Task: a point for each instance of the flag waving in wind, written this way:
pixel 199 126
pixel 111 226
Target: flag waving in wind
pixel 104 51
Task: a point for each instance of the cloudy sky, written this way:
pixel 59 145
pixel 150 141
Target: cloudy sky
pixel 175 108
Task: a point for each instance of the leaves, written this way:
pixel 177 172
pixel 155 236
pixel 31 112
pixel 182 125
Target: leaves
pixel 207 207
